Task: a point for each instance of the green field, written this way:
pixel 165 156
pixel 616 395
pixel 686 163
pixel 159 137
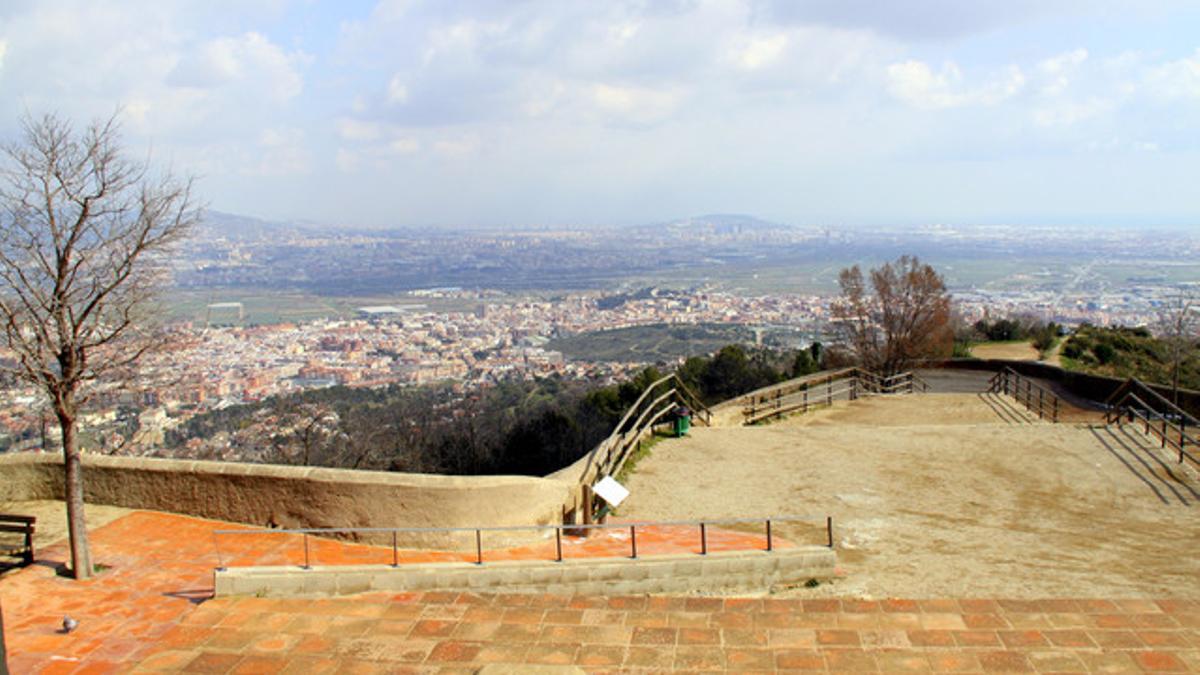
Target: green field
pixel 278 306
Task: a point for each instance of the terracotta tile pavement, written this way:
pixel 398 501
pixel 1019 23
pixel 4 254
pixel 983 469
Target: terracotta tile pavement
pixel 152 611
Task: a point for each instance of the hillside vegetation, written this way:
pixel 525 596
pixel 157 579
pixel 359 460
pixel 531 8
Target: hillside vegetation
pixel 515 426
pixel 1128 352
pixel 652 343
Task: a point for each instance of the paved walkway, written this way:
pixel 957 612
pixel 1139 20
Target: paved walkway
pixel 151 611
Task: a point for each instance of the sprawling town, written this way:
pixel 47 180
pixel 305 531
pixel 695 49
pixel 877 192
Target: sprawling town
pixel 215 366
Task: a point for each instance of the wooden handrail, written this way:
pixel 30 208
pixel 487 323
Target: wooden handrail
pixel 818 389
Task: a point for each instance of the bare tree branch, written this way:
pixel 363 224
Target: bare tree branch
pixel 907 317
pixel 84 232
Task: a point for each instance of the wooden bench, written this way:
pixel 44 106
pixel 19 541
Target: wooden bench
pixel 20 525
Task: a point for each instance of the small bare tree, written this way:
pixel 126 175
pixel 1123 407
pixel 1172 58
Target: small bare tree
pixel 84 237
pixel 904 316
pixel 1179 329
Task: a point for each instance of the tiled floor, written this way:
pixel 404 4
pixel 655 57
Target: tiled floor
pixel 146 612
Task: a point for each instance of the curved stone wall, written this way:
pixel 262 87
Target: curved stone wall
pixel 296 497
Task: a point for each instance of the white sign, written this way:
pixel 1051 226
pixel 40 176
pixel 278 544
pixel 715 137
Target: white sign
pixel 611 491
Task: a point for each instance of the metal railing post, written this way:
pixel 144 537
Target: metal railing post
pixel 633 540
pixel 829 530
pixel 478 547
pixel 703 540
pixel 770 544
pixel 558 542
pixel 1039 404
pixel 1164 431
pixel 306 565
pixel 217 548
pixel 395 551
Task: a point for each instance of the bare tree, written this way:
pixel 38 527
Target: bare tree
pixel 84 237
pixel 904 316
pixel 1179 328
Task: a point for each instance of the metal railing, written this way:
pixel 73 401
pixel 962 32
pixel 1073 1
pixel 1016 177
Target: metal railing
pixel 655 403
pixel 1134 400
pixel 559 530
pixel 821 389
pixel 1035 397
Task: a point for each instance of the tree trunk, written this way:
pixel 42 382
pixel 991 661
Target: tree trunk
pixel 81 556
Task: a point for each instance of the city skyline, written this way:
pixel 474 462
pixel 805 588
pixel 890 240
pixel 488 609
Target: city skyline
pixel 825 113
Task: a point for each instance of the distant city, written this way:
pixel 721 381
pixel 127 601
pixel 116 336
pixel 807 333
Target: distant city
pixel 261 309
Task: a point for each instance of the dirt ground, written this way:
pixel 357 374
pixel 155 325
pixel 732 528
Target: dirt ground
pixel 947 495
pixel 1013 351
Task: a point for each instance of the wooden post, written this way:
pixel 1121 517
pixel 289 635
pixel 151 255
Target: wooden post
pixel 3 649
pixel 1039 404
pixel 587 508
pixel 558 542
pixel 806 399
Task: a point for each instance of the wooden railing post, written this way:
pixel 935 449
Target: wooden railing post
pixel 587 507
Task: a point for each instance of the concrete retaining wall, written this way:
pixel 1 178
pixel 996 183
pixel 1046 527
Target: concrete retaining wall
pixel 294 497
pixel 715 572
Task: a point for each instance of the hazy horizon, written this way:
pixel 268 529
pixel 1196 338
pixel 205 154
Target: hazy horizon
pixel 485 114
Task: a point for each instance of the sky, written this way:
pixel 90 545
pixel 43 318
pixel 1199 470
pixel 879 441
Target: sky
pixel 514 113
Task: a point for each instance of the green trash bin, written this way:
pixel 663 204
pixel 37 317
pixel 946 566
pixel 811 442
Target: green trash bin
pixel 683 421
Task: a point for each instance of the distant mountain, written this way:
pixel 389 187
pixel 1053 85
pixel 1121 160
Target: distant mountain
pixel 219 224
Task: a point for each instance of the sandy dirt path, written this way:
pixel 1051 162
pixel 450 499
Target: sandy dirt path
pixel 1013 351
pixel 947 495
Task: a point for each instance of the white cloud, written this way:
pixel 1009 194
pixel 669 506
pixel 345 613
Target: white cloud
pixel 916 84
pixel 3 51
pixel 397 92
pixel 1057 70
pixel 639 105
pixel 346 160
pixel 351 129
pixel 282 153
pixel 1069 113
pixel 458 147
pixel 1176 80
pixel 760 51
pixel 404 146
pixel 246 59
